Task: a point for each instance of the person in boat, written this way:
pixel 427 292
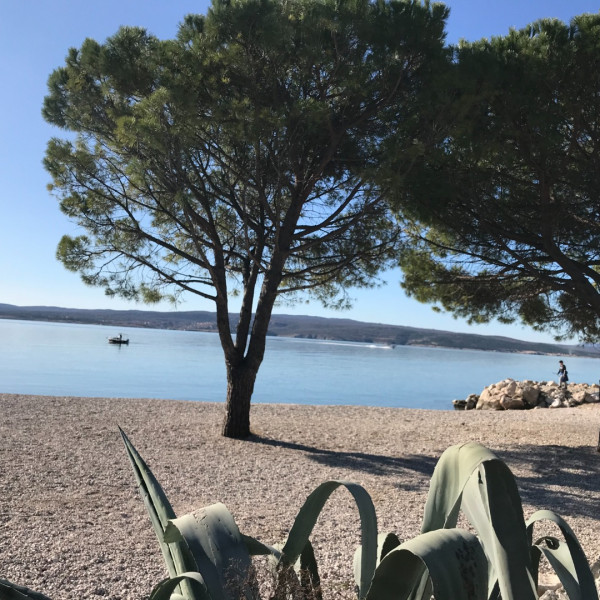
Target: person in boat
pixel 118 340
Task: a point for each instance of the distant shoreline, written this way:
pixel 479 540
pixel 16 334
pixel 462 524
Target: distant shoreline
pixel 316 337
pixel 293 326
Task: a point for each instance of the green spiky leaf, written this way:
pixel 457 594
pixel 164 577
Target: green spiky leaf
pixel 450 476
pixel 176 556
pixel 453 559
pixel 568 560
pixel 166 588
pixel 492 504
pixel 12 591
pixel 386 542
pixel 307 517
pixel 470 477
pixel 220 554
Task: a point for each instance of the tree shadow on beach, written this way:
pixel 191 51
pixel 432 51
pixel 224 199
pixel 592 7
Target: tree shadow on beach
pixel 560 478
pixel 563 479
pixel 374 464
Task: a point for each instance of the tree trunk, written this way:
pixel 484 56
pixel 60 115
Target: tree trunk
pixel 240 385
pixel 242 370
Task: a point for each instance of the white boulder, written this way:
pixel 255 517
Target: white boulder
pixel 509 394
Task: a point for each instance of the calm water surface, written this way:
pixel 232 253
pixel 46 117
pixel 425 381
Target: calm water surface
pixel 76 360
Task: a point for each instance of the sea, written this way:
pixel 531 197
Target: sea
pixel 65 359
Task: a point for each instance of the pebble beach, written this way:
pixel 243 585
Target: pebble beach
pixel 72 524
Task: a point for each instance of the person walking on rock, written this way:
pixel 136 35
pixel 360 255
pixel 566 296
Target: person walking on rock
pixel 562 373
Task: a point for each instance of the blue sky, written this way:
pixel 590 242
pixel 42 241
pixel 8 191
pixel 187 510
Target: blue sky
pixel 34 39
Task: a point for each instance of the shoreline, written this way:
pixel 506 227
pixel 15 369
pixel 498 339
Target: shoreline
pixel 351 331
pixel 73 524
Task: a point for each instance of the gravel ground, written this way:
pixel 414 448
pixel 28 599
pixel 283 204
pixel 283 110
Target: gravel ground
pixel 72 524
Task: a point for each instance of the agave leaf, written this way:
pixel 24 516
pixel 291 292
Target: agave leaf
pixel 453 470
pixel 149 486
pixel 12 591
pixel 386 542
pixel 495 593
pixel 453 558
pixel 177 558
pixel 492 504
pixel 310 581
pixel 472 477
pixel 568 560
pixel 536 556
pixel 219 550
pixel 256 548
pixel 166 588
pixel 307 517
pixel 298 580
pixel 560 559
pixel 455 466
pixel 447 483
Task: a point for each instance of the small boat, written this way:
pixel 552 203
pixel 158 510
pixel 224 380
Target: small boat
pixel 118 340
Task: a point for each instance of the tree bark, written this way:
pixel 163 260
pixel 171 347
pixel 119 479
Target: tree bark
pixel 240 385
pixel 242 370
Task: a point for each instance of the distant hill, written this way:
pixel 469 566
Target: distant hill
pixel 293 326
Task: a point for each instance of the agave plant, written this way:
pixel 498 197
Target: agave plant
pixel 11 591
pixel 208 558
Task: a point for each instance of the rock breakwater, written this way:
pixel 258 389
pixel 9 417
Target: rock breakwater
pixel 522 395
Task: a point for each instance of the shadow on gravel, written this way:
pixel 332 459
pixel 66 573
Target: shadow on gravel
pixel 559 478
pixel 375 464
